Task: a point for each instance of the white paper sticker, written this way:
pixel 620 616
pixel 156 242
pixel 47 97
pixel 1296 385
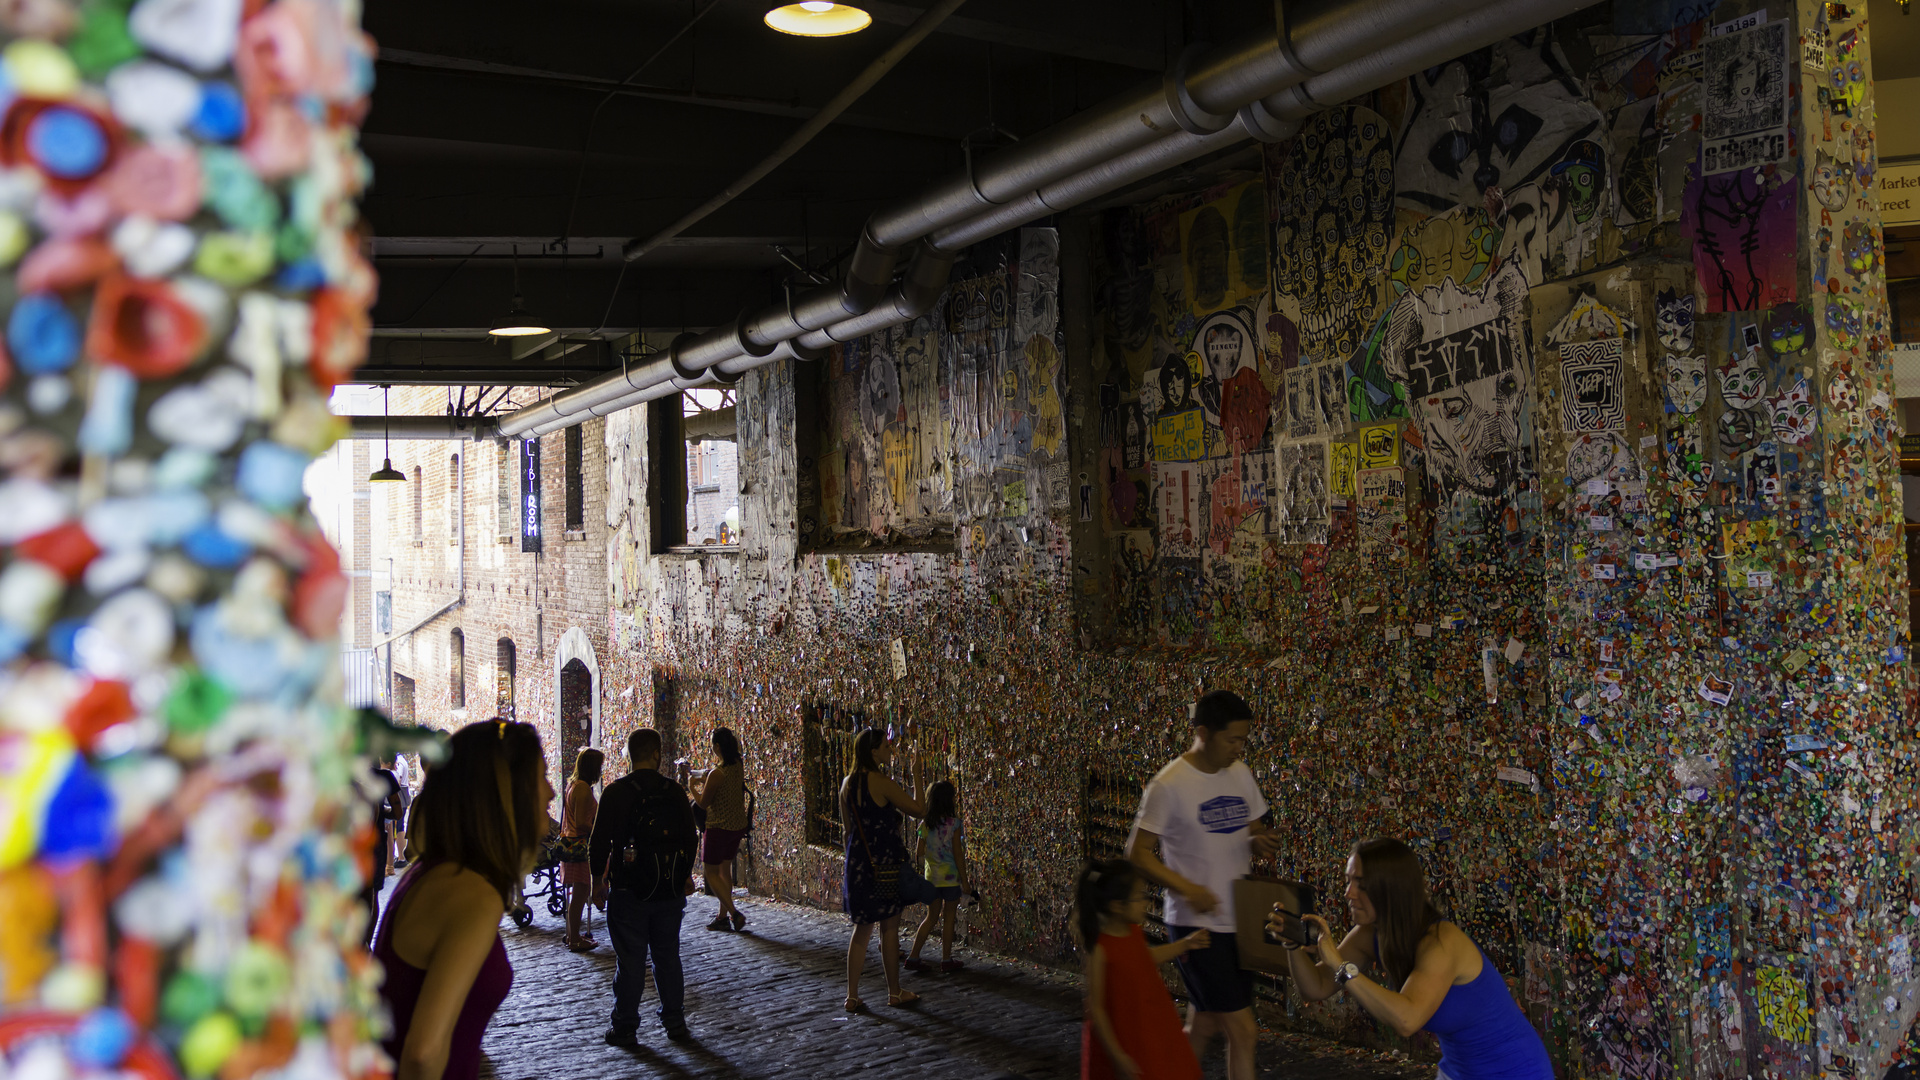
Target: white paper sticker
pixel 1393 633
pixel 1370 609
pixel 1647 442
pixel 1514 650
pixel 1600 523
pixel 1516 776
pixel 1744 22
pixel 1421 629
pixel 1759 579
pixel 1598 486
pixel 899 659
pixel 1603 571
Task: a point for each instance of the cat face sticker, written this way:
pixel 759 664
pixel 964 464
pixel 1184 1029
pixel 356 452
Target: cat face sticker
pixel 1673 320
pixel 1794 413
pixel 1740 431
pixel 1831 176
pixel 1861 245
pixel 1684 459
pixel 1686 384
pixel 1742 382
pixel 1843 321
pixel 1842 395
pixel 1787 328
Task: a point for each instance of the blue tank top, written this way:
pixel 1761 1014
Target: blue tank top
pixel 1484 1035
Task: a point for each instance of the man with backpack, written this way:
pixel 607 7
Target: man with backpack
pixel 641 855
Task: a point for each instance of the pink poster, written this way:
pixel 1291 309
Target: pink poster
pixel 1742 224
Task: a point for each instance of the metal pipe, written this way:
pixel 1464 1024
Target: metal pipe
pixel 1318 53
pixel 446 428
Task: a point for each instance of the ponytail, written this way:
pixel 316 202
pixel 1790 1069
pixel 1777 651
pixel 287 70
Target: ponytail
pixel 1103 883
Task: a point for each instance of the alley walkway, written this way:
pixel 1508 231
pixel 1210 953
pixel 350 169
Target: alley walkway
pixel 765 1003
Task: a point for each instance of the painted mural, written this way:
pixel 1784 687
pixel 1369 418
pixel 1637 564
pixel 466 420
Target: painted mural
pixel 1515 438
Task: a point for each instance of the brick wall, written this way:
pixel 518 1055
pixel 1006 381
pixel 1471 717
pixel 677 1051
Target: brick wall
pixel 530 599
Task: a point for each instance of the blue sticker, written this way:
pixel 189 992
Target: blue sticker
pixel 43 335
pixel 1225 814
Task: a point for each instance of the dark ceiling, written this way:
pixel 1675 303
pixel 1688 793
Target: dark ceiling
pixel 565 128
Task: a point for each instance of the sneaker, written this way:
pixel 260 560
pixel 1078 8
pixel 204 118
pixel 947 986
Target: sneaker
pixel 624 1039
pixel 679 1033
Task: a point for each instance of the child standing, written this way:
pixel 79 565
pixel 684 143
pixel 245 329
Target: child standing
pixel 942 850
pixel 1132 1030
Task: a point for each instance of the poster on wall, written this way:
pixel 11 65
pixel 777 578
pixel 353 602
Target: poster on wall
pixel 1593 386
pixel 1469 372
pixel 1303 478
pixel 1181 529
pixel 1380 514
pixel 1744 118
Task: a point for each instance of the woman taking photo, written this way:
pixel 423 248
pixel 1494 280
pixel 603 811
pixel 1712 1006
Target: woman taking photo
pixel 870 805
pixel 1414 970
pixel 476 829
pixel 722 793
pixel 576 825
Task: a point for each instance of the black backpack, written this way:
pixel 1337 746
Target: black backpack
pixel 661 836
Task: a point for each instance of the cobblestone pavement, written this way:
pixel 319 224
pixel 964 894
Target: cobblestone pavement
pixel 766 1003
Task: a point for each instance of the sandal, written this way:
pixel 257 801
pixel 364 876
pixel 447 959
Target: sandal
pixel 903 999
pixel 580 946
pixel 855 1005
pixel 720 923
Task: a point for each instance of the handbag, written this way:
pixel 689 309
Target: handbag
pixel 571 849
pixel 892 880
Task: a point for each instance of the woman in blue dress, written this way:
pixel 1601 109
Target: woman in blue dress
pixel 1415 970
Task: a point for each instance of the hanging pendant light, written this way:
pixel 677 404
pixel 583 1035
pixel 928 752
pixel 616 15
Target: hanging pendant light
pixel 517 322
pixel 818 18
pixel 387 474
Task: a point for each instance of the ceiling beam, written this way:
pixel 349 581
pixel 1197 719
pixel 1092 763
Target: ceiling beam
pixel 422 61
pixel 1078 46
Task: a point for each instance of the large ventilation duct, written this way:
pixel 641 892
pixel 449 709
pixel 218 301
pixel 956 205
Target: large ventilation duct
pixel 1196 110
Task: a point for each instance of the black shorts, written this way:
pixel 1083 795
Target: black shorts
pixel 1215 980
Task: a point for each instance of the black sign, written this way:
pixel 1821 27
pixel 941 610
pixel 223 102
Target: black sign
pixel 530 495
pixel 1458 359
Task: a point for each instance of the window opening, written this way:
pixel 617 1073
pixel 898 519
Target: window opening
pixel 403 700
pixel 826 758
pixel 383 612
pixel 419 507
pixel 457 669
pixel 576 480
pixel 713 467
pixel 453 499
pixel 576 710
pixel 506 491
pixel 504 663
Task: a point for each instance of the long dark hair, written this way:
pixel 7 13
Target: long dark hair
pixel 480 809
pixel 943 804
pixel 1103 883
pixel 587 766
pixel 864 744
pixel 727 745
pixel 1391 876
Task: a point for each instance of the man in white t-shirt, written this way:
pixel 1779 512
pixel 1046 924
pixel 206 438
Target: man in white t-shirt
pixel 1198 830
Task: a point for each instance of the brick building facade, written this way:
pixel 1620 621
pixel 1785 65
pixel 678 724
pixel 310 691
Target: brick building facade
pixel 481 628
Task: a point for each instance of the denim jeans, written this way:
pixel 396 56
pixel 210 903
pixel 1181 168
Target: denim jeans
pixel 639 927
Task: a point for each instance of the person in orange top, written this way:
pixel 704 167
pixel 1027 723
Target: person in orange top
pixel 1133 1031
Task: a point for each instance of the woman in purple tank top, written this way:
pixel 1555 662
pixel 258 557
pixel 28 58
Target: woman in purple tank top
pixel 476 830
pixel 1445 984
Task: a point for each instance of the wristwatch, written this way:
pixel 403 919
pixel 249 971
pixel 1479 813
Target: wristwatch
pixel 1347 972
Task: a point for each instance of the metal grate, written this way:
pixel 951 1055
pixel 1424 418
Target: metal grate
pixel 826 759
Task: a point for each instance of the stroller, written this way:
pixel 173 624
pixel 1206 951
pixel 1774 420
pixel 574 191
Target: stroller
pixel 543 880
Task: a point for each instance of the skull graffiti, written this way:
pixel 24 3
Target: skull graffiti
pixel 1333 214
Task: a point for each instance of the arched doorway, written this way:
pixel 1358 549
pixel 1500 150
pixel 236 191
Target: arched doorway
pixel 576 695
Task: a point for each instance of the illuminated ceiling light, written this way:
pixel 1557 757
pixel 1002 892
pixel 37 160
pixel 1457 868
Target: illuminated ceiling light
pixel 516 322
pixel 387 474
pixel 818 18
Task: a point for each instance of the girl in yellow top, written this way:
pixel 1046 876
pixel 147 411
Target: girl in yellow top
pixel 943 851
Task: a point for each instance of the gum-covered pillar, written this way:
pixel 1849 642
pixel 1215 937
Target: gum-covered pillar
pixel 180 838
